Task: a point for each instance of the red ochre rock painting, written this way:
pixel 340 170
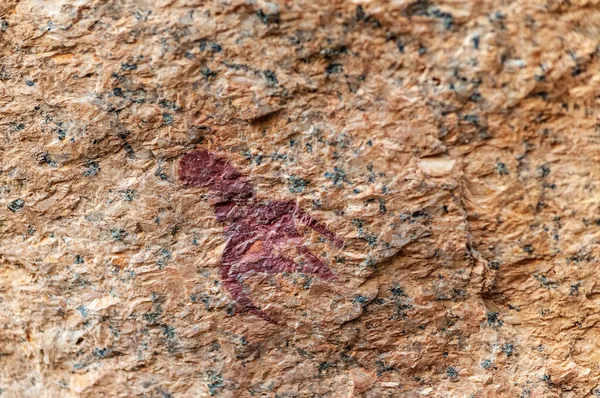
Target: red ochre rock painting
pixel 255 230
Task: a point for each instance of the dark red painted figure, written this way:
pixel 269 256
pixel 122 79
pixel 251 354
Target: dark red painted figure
pixel 255 230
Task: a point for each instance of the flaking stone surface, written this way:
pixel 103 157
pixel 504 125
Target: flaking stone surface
pixel 301 198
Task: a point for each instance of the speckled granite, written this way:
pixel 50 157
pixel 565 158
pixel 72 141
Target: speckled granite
pixel 385 198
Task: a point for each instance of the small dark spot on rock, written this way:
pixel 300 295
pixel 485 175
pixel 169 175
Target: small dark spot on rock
pixel 92 168
pixel 544 170
pixel 397 290
pixel 207 73
pixel 16 205
pixel 420 214
pixel 334 68
pixel 297 184
pixel 101 353
pixel 129 150
pixel 359 14
pixel 362 300
pixel 126 66
pixel 473 119
pixel 128 195
pixel 475 97
pixel 574 291
pixel 167 119
pixel 501 168
pixel 451 373
pixel 268 19
pixel 508 349
pixel 382 207
pixel 400 45
pixel 118 234
pixel 216 383
pixel 493 320
pixel 168 331
pixel 271 77
pixel 419 7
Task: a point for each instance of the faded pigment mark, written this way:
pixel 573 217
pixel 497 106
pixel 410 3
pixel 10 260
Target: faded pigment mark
pixel 255 230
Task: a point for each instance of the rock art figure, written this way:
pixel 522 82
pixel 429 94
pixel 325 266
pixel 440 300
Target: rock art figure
pixel 256 230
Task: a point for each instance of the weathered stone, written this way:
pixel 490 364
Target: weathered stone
pixel 388 198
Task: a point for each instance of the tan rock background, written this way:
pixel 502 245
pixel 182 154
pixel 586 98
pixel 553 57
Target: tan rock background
pixel 452 144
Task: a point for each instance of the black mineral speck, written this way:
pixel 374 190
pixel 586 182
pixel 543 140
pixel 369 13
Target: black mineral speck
pixel 382 207
pixel 419 7
pixel 128 195
pixel 215 384
pixel 473 119
pixel 297 184
pixel 168 331
pixel 493 319
pixel 101 352
pixel 207 73
pixel 382 367
pixel 475 97
pixel 397 290
pixel 574 290
pixel 400 45
pixel 163 103
pixel 129 150
pixel 92 168
pixel 334 68
pixel 576 70
pixel 45 158
pixel 359 13
pixel 167 119
pixel 501 168
pixel 268 19
pixel 451 373
pixel 16 205
pixel 118 234
pixel 128 66
pixel 271 77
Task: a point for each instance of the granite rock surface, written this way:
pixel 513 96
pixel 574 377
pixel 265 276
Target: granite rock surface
pixel 429 169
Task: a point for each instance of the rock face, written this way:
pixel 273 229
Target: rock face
pixel 384 198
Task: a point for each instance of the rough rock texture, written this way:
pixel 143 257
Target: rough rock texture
pixel 452 146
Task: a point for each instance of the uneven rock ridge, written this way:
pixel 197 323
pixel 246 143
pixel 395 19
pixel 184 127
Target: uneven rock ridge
pixel 299 199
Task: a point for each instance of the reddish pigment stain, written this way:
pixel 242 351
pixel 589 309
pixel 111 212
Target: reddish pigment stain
pixel 255 230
